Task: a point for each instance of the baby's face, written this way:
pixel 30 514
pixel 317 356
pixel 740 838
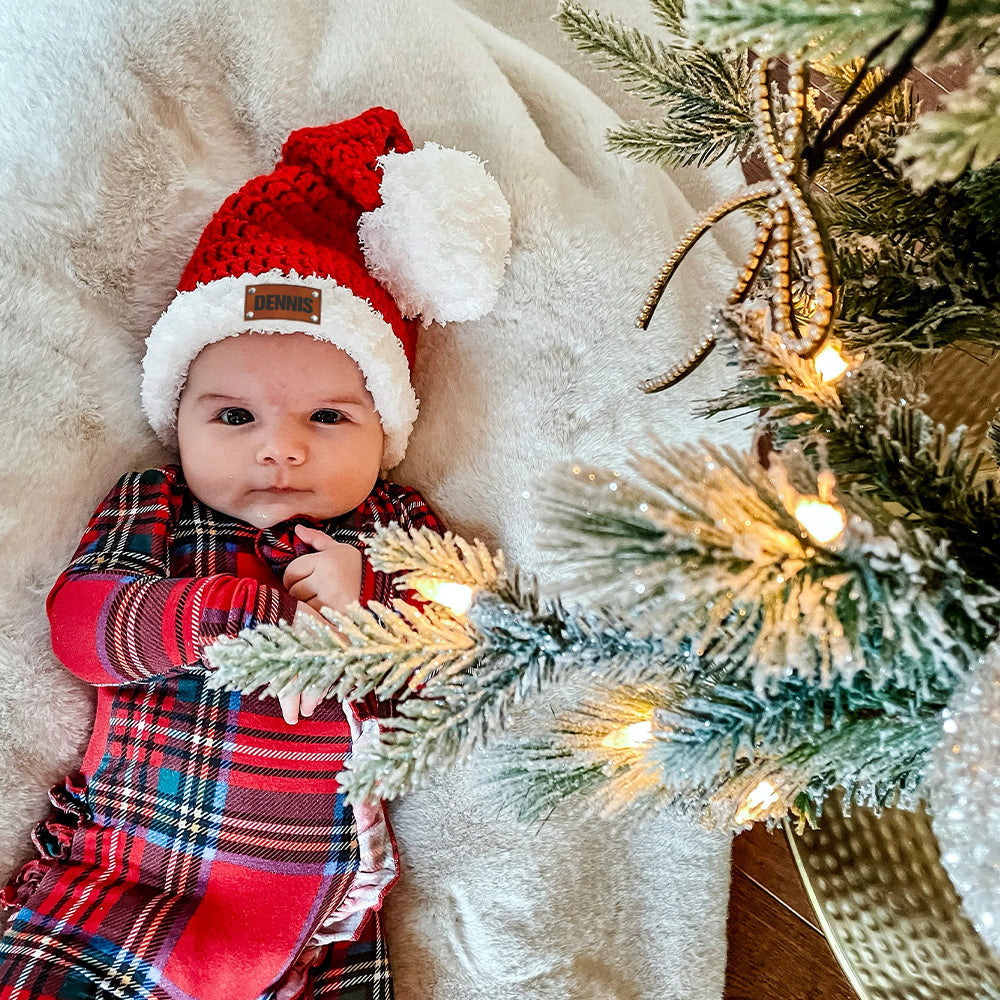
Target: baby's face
pixel 271 426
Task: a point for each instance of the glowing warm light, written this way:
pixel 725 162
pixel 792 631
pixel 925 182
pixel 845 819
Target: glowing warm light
pixel 456 597
pixel 757 802
pixel 829 364
pixel 629 737
pixel 824 521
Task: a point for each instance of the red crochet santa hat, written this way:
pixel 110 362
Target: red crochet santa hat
pixel 351 238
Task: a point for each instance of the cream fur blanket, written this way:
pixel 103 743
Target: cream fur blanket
pixel 124 124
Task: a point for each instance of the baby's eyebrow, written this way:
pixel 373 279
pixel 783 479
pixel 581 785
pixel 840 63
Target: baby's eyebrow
pixel 341 400
pixel 212 397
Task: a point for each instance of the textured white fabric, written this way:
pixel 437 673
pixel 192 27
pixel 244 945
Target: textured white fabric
pixel 214 311
pixel 124 124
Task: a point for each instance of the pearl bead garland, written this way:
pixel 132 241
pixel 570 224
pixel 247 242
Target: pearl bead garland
pixel 787 222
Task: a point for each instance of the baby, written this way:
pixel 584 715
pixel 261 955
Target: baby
pixel 205 849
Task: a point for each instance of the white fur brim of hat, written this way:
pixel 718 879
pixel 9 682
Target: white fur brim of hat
pixel 214 311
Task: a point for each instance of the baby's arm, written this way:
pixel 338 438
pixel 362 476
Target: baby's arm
pixel 118 616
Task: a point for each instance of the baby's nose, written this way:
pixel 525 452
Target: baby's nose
pixel 282 446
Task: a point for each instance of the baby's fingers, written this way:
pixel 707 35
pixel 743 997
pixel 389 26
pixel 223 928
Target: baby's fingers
pixel 303 591
pixel 311 697
pixel 289 702
pixel 319 540
pixel 298 569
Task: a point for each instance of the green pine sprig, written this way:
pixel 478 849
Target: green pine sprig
pixel 846 29
pixel 964 135
pixel 722 561
pixel 703 99
pixel 711 744
pixel 388 651
pixel 522 652
pixel 872 432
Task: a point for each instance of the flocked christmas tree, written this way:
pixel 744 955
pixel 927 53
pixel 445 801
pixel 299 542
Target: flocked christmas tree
pixel 756 629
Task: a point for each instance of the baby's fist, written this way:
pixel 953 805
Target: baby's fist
pixel 329 576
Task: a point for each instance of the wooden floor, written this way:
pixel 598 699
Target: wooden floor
pixel 776 949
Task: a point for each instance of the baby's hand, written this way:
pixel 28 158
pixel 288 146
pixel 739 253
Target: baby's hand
pixel 329 577
pixel 294 703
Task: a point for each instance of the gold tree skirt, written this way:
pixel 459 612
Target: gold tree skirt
pixel 888 909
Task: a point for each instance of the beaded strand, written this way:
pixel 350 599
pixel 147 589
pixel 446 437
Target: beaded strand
pixel 787 222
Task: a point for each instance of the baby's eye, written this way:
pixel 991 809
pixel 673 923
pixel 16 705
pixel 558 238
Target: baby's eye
pixel 234 415
pixel 328 416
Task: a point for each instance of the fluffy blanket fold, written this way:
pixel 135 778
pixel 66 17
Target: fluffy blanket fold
pixel 124 124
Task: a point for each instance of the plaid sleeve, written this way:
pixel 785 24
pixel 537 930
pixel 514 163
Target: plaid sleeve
pixel 116 615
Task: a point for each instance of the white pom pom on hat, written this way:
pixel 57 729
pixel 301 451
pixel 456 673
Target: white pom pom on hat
pixel 441 256
pixel 355 236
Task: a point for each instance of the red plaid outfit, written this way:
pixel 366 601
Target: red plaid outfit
pixel 206 840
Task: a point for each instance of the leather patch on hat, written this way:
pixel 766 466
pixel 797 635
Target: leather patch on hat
pixel 298 302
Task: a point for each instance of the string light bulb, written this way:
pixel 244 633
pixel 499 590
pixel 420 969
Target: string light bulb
pixel 830 364
pixel 457 597
pixel 823 519
pixel 761 798
pixel 629 737
pixel 825 522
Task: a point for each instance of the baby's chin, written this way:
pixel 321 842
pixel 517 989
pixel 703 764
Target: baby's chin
pixel 263 515
pixel 269 519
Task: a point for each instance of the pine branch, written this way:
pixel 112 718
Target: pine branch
pixel 842 28
pixel 392 652
pixel 893 451
pixel 591 758
pixel 680 140
pixel 894 303
pixel 703 754
pixel 883 448
pixel 670 13
pixel 979 191
pixel 964 134
pixel 804 741
pixel 877 762
pixel 734 572
pixel 422 554
pixel 736 722
pixel 702 96
pixel 894 335
pixel 522 652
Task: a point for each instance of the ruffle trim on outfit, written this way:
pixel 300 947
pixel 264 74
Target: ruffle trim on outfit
pixel 378 869
pixel 52 838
